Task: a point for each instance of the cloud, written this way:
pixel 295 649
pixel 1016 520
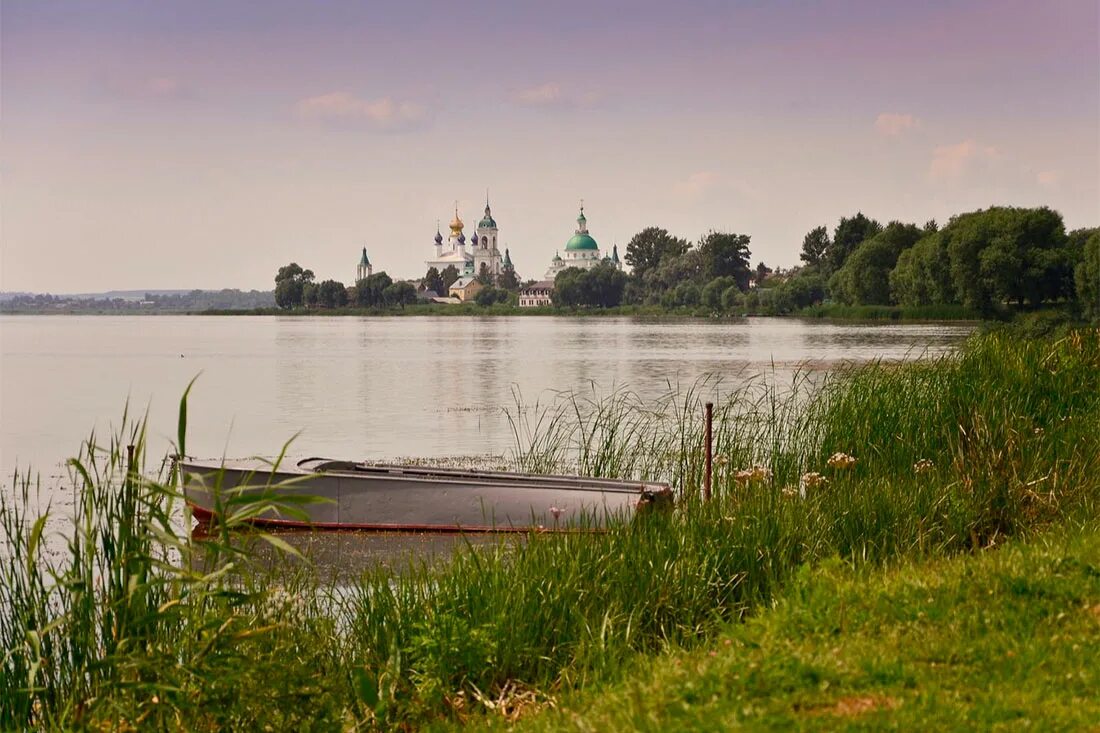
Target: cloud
pixel 1048 179
pixel 892 124
pixel 148 88
pixel 544 94
pixel 384 114
pixel 554 94
pixel 697 183
pixel 951 162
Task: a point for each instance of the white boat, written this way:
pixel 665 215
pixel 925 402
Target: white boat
pixel 321 493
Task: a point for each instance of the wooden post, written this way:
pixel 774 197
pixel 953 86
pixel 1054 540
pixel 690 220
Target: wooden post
pixel 709 451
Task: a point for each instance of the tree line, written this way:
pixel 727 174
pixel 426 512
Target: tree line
pixel 982 260
pixel 666 271
pixel 296 287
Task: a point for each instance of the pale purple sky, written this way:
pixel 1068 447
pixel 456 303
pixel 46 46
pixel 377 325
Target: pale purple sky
pixel 204 144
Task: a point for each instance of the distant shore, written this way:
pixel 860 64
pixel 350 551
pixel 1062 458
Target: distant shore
pixel 873 314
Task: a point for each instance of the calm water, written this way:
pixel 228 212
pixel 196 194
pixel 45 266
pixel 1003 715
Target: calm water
pixel 372 387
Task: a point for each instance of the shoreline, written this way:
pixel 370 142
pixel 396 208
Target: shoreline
pixel 885 315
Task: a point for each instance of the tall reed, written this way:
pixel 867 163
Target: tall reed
pixel 950 455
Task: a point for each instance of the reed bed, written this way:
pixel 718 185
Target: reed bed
pixel 870 464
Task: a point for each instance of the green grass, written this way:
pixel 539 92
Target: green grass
pixel 1005 639
pixel 140 624
pixel 839 311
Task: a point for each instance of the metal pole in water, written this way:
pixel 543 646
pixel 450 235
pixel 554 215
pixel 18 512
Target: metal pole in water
pixel 709 451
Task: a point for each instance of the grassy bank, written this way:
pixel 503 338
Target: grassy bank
pixel 1007 638
pixel 950 456
pixel 840 312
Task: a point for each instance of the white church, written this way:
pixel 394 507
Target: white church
pixel 468 256
pixel 581 251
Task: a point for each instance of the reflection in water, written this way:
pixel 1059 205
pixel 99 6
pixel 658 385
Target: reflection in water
pixel 342 557
pixel 376 388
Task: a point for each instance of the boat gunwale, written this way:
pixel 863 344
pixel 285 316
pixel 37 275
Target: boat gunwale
pixel 425 475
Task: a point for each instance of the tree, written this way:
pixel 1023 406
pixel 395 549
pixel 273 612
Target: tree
pixel 725 254
pixel 484 276
pixel 310 293
pixel 732 298
pixel 599 287
pixel 849 234
pixel 922 275
pixel 332 294
pixel 370 290
pixel 814 245
pixel 865 277
pixel 762 272
pixel 1008 254
pixel 804 289
pixel 650 247
pixel 489 295
pixel 290 282
pixel 1088 277
pixel 449 276
pixel 400 293
pixel 672 271
pixel 508 280
pixel 434 281
pixel 712 293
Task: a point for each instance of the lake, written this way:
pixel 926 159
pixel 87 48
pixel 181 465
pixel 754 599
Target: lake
pixel 375 387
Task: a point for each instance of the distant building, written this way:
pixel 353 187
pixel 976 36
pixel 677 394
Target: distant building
pixel 469 257
pixel 364 269
pixel 537 294
pixel 465 288
pixel 581 251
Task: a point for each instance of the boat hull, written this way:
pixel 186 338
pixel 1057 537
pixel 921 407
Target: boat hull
pixel 334 495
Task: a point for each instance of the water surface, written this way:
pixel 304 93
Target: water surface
pixel 375 387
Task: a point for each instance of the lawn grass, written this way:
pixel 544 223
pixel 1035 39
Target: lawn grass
pixel 1006 639
pixel 952 456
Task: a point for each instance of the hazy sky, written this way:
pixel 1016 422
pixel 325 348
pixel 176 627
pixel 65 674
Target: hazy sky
pixel 204 144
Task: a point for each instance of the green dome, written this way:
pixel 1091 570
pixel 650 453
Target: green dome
pixel 581 241
pixel 488 221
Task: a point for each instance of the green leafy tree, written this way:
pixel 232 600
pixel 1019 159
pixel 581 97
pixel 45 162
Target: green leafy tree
pixel 599 287
pixel 672 271
pixel 726 255
pixel 762 272
pixel 487 296
pixel 290 282
pixel 648 248
pixel 369 291
pixel 434 281
pixel 310 294
pixel 713 291
pixel 732 299
pixel 922 275
pixel 864 278
pixel 400 293
pixel 1009 254
pixel 332 294
pixel 814 246
pixel 804 289
pixel 508 279
pixel 449 276
pixel 484 276
pixel 684 295
pixel 849 234
pixel 1088 277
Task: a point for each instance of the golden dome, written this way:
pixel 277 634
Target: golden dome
pixel 456 225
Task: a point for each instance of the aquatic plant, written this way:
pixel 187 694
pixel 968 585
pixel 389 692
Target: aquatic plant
pixel 137 623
